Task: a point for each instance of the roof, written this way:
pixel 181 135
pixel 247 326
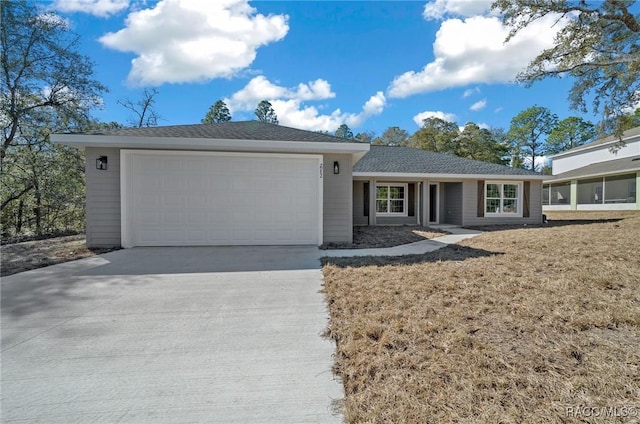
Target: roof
pixel 616 166
pixel 240 130
pixel 407 160
pixel 633 132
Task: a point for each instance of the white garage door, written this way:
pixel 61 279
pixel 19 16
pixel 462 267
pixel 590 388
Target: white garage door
pixel 206 198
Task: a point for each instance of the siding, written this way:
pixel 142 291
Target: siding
pixel 602 154
pixel 397 220
pixel 451 206
pixel 103 198
pixel 470 200
pixel 338 200
pixel 358 204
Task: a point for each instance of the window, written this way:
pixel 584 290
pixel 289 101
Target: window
pixel 502 199
pixel 620 189
pixel 560 193
pixel 391 199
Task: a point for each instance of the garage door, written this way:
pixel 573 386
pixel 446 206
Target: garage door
pixel 207 198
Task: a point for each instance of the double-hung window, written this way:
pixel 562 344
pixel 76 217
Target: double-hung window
pixel 502 198
pixel 391 199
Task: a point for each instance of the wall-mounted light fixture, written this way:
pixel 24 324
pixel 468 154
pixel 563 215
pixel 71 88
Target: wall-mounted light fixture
pixel 336 167
pixel 101 163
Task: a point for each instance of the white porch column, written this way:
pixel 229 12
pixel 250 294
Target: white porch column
pixel 372 201
pixel 424 203
pixel 574 195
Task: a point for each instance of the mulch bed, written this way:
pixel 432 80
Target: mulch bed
pixel 386 236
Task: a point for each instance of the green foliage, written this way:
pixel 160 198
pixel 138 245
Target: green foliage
pixel 218 112
pixel 481 144
pixel 265 113
pixel 599 46
pixel 528 133
pixel 569 133
pixel 344 131
pixel 631 120
pixel 393 136
pixel 365 136
pixel 436 135
pixel 46 87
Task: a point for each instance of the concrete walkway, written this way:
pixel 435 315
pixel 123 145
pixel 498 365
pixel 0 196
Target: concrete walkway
pixel 169 335
pixel 456 235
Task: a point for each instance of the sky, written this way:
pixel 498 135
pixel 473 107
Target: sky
pixel 370 65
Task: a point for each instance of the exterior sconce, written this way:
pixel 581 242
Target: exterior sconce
pixel 336 167
pixel 101 163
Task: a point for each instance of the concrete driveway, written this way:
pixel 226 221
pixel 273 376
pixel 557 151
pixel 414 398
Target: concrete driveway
pixel 169 335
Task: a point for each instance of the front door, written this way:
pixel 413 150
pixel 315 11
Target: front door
pixel 433 203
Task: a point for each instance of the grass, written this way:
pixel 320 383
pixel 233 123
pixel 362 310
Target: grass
pixel 511 326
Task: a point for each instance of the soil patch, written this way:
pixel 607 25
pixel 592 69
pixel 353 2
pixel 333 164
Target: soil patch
pixel 367 237
pixel 19 257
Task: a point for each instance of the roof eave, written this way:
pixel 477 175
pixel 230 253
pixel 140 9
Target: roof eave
pixel 447 176
pixel 180 143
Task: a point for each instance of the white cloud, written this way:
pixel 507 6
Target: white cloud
pixel 449 117
pixel 288 104
pixel 470 91
pixel 101 8
pixel 185 41
pixel 479 105
pixel 439 8
pixel 473 51
pixel 498 109
pixel 484 126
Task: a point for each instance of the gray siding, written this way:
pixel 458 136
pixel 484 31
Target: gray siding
pixel 451 206
pixel 103 198
pixel 470 201
pixel 358 204
pixel 338 200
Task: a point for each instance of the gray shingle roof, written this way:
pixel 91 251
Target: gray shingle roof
pixel 240 130
pixel 409 160
pixel 601 168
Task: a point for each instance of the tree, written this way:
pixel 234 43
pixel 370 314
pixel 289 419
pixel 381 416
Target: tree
pixel 393 136
pixel 631 120
pixel 143 111
pixel 599 45
pixel 41 69
pixel 480 144
pixel 218 112
pixel 46 87
pixel 569 133
pixel 365 136
pixel 265 113
pixel 528 132
pixel 344 131
pixel 436 135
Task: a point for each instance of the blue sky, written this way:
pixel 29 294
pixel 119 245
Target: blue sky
pixel 369 64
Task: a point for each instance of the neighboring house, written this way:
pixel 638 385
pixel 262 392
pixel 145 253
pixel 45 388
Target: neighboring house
pixel 253 183
pixel 595 177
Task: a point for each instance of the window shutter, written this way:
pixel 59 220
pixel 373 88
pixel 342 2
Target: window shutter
pixel 526 199
pixel 480 198
pixel 366 199
pixel 411 207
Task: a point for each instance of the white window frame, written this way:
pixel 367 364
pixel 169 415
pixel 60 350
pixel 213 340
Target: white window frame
pixel 518 199
pixel 405 211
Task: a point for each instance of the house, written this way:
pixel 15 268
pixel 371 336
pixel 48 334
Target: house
pixel 253 183
pixel 595 176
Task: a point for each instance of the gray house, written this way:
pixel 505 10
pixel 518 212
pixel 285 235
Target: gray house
pixel 253 183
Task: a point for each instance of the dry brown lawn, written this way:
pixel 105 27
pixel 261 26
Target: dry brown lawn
pixel 512 326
